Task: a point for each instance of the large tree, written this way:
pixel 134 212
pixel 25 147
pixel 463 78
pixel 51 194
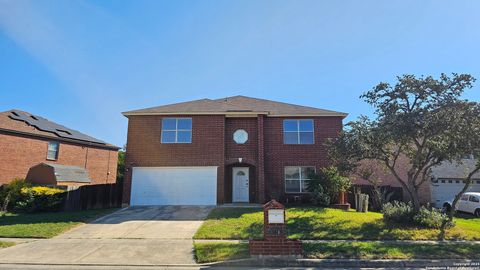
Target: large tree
pixel 421 119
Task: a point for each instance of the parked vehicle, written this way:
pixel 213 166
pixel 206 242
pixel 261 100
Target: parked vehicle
pixel 469 203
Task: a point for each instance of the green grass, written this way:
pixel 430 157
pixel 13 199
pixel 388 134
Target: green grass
pixel 214 252
pixel 4 244
pixel 45 225
pixel 376 250
pixel 326 223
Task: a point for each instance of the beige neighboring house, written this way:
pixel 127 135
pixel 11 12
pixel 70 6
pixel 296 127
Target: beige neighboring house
pixel 446 180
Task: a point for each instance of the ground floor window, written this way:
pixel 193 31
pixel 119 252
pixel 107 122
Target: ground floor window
pixel 297 177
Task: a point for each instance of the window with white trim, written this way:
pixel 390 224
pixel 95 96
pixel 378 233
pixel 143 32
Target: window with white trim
pixel 52 151
pixel 176 130
pixel 297 177
pixel 298 131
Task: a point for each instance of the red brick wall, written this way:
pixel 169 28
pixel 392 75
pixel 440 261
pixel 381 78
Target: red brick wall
pixel 275 247
pixel 247 150
pixel 144 148
pixel 213 145
pixel 19 153
pixel 278 155
pixel 385 177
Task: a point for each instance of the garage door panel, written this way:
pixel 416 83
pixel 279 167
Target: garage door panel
pixel 442 192
pixel 174 186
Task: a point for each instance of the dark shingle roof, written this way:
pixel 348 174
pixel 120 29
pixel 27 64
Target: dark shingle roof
pixel 67 173
pixel 21 122
pixel 236 105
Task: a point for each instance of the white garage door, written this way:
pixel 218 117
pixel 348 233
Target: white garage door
pixel 174 186
pixel 446 189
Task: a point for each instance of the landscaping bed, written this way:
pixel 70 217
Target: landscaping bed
pixel 328 224
pixel 45 225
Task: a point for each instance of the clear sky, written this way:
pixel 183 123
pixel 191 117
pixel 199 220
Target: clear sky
pixel 81 63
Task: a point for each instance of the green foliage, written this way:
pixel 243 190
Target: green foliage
pixel 120 166
pixel 214 252
pixel 421 119
pixel 327 185
pixel 326 224
pixel 432 218
pixel 314 186
pixel 36 199
pixel 10 194
pixel 398 212
pixel 320 199
pixel 389 250
pixel 46 224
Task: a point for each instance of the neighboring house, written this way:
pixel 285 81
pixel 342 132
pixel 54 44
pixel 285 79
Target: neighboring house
pixel 235 149
pixel 445 181
pixel 27 140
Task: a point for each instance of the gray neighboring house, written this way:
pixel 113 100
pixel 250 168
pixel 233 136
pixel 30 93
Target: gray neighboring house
pixel 447 180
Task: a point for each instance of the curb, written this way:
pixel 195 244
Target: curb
pixel 273 261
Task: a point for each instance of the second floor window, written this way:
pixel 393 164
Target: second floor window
pixel 52 152
pixel 176 130
pixel 298 131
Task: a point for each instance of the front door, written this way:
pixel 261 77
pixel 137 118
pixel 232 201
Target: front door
pixel 240 184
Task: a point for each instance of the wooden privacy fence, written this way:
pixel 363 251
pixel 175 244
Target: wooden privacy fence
pixel 94 197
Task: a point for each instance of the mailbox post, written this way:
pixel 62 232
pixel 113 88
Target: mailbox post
pixel 275 240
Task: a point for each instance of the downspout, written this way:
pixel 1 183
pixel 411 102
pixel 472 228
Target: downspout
pixel 86 157
pixel 108 167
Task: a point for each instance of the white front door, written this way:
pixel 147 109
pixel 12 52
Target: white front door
pixel 240 184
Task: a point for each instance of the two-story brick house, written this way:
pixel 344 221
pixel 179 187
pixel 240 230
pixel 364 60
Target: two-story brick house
pixel 28 140
pixel 235 149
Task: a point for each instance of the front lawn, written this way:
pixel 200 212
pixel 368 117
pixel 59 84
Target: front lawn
pixel 325 223
pixel 4 244
pixel 214 252
pixel 45 225
pixel 377 250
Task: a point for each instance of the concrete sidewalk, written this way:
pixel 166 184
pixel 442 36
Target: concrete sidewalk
pixel 101 251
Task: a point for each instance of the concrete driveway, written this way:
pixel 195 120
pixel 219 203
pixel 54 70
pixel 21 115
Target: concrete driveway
pixel 150 235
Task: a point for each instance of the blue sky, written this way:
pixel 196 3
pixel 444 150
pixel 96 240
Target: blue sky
pixel 81 63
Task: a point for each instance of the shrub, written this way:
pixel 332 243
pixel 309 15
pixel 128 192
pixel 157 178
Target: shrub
pixel 398 212
pixel 331 182
pixel 40 199
pixel 432 218
pixel 10 194
pixel 319 197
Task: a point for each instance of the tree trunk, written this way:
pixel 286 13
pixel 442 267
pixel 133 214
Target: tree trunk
pixel 451 213
pixel 414 196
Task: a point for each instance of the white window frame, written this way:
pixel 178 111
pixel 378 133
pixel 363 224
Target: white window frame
pixel 176 130
pixel 298 131
pixel 300 179
pixel 57 151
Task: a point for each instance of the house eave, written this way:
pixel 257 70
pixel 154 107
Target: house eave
pixel 83 143
pixel 237 114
